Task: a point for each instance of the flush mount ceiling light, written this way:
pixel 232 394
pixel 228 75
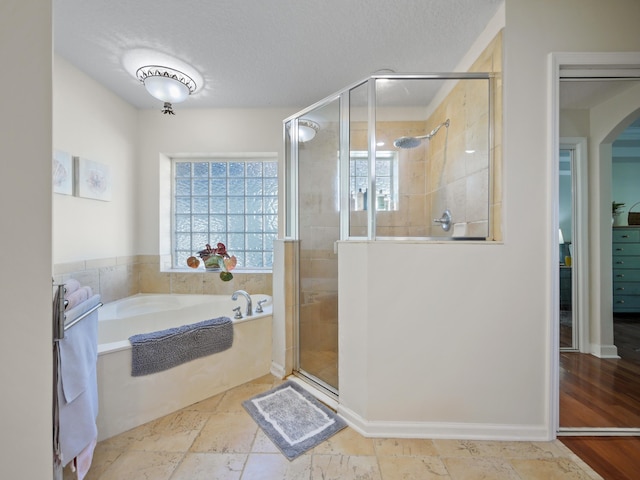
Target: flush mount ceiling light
pixel 166 84
pixel 307 130
pixel 383 71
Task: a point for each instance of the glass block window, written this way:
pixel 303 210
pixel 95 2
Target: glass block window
pixel 229 201
pixel 386 177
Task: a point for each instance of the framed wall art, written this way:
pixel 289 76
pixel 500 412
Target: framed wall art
pixel 62 173
pixel 93 179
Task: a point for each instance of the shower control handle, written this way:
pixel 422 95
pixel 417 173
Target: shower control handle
pixel 445 220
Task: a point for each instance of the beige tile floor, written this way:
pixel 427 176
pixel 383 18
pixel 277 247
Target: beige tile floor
pixel 217 440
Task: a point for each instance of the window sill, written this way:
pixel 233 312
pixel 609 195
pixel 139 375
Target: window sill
pixel 240 271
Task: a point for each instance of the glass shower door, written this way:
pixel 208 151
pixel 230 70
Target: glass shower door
pixel 318 230
pixel 367 164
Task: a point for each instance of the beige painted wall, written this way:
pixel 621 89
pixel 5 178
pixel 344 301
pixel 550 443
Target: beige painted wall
pixel 91 122
pixel 25 256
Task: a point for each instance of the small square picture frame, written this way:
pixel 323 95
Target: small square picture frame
pixel 62 172
pixel 93 179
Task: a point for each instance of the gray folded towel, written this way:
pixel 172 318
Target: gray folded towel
pixel 157 351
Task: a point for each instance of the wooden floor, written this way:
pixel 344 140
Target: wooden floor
pixel 614 458
pixel 598 392
pixel 627 336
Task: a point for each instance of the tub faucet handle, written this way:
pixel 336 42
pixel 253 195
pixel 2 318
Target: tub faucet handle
pixel 259 307
pixel 238 314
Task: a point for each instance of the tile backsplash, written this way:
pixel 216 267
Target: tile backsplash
pixel 119 277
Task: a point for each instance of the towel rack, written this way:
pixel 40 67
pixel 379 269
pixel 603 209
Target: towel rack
pixel 59 305
pixel 85 314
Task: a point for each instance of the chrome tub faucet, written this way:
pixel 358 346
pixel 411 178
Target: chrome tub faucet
pixel 248 297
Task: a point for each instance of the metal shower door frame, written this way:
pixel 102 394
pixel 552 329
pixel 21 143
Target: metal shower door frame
pixel 292 224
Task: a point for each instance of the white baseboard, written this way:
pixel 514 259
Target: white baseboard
pixel 442 430
pixel 604 351
pixel 277 370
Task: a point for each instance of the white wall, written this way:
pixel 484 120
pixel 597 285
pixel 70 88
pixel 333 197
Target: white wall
pixel 574 123
pixel 91 122
pixel 25 253
pixel 456 338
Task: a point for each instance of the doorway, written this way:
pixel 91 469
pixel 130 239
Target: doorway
pixel 590 356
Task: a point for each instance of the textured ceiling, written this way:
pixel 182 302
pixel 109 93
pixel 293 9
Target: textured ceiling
pixel 265 53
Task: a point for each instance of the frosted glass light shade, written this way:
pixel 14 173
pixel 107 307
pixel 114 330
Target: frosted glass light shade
pixel 307 130
pixel 166 89
pixel 166 84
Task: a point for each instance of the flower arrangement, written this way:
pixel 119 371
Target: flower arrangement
pixel 215 259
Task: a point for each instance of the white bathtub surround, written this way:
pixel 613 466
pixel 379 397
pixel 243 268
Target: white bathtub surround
pixel 127 402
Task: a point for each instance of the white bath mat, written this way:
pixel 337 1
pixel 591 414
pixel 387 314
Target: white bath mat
pixel 293 419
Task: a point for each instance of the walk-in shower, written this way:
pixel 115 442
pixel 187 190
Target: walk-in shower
pixel 389 155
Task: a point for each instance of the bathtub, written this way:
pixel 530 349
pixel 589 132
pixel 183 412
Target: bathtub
pixel 126 402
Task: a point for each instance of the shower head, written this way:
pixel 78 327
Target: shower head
pixel 408 142
pixel 413 142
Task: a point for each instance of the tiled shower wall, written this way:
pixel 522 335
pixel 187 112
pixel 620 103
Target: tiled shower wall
pixel 433 178
pixel 119 277
pixel 456 180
